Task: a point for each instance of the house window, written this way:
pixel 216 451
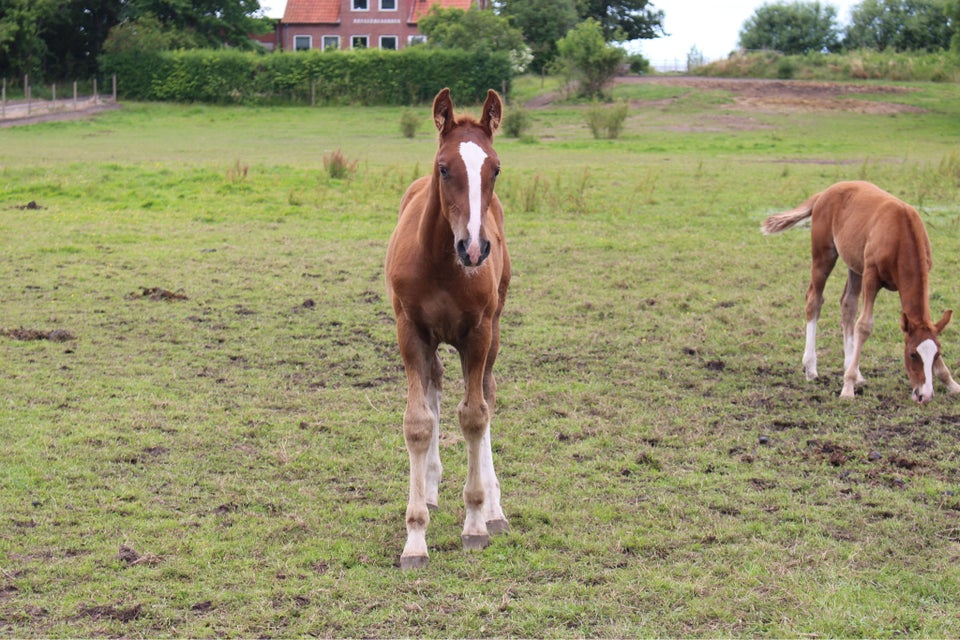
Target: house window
pixel 388 42
pixel 302 43
pixel 417 39
pixel 360 5
pixel 359 42
pixel 331 43
pixel 388 5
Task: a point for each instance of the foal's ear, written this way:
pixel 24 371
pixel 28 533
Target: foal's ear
pixel 492 112
pixel 443 111
pixel 944 321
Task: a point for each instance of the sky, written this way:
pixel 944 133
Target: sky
pixel 712 26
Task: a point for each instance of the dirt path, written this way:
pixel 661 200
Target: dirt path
pixel 18 113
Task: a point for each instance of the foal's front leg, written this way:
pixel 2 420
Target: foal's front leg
pixel 848 316
pixel 420 432
pixel 943 374
pixel 863 329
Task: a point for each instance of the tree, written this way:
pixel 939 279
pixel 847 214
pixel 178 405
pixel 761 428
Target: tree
pixel 469 30
pixel 22 46
pixel 75 35
pixel 208 23
pixel 624 20
pixel 900 25
pixel 474 29
pixel 588 59
pixel 543 23
pixel 147 34
pixel 792 28
pixel 61 39
pixel 953 13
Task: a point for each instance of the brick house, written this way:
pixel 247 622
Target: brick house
pixel 356 24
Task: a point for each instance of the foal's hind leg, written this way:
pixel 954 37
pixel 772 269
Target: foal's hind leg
pixel 821 265
pixel 848 315
pixel 492 511
pixel 434 469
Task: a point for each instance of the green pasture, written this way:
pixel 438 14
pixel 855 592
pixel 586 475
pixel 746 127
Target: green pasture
pixel 205 439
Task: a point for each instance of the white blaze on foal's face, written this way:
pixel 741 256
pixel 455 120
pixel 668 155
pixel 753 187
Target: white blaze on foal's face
pixel 928 353
pixel 473 156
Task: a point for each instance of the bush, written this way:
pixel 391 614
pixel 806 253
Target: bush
pixel 607 121
pixel 638 64
pixel 516 122
pixel 409 123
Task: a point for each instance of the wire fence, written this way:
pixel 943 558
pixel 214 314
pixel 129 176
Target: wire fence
pixel 17 105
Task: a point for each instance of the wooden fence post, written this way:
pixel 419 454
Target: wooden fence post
pixel 114 87
pixel 3 101
pixel 26 90
pixel 75 95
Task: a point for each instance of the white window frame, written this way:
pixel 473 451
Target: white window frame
pixel 416 39
pixel 393 8
pixel 396 43
pixel 309 40
pixel 327 47
pixel 354 3
pixel 366 42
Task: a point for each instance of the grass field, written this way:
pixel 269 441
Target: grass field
pixel 201 396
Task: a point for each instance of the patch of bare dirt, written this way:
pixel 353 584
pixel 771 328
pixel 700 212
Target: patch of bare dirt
pixel 158 294
pixel 20 333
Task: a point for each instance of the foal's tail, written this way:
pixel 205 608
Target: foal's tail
pixel 788 219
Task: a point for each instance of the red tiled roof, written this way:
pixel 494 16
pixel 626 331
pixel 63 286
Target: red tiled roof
pixel 311 12
pixel 419 8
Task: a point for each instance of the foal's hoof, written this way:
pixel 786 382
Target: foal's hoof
pixel 414 562
pixel 472 542
pixel 498 526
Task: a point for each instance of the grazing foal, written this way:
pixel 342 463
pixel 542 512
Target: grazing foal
pixel 447 273
pixel 884 245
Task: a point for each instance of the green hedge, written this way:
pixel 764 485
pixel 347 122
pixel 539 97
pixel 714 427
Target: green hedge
pixel 408 76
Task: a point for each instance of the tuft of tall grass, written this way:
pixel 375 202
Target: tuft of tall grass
pixel 338 167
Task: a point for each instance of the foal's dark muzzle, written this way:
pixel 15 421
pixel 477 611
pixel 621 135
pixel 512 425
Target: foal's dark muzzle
pixel 475 260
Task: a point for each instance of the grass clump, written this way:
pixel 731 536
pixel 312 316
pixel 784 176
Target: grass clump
pixel 338 167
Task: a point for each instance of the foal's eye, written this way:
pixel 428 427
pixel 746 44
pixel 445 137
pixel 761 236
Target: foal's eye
pixel 915 356
pixel 496 172
pixel 443 171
